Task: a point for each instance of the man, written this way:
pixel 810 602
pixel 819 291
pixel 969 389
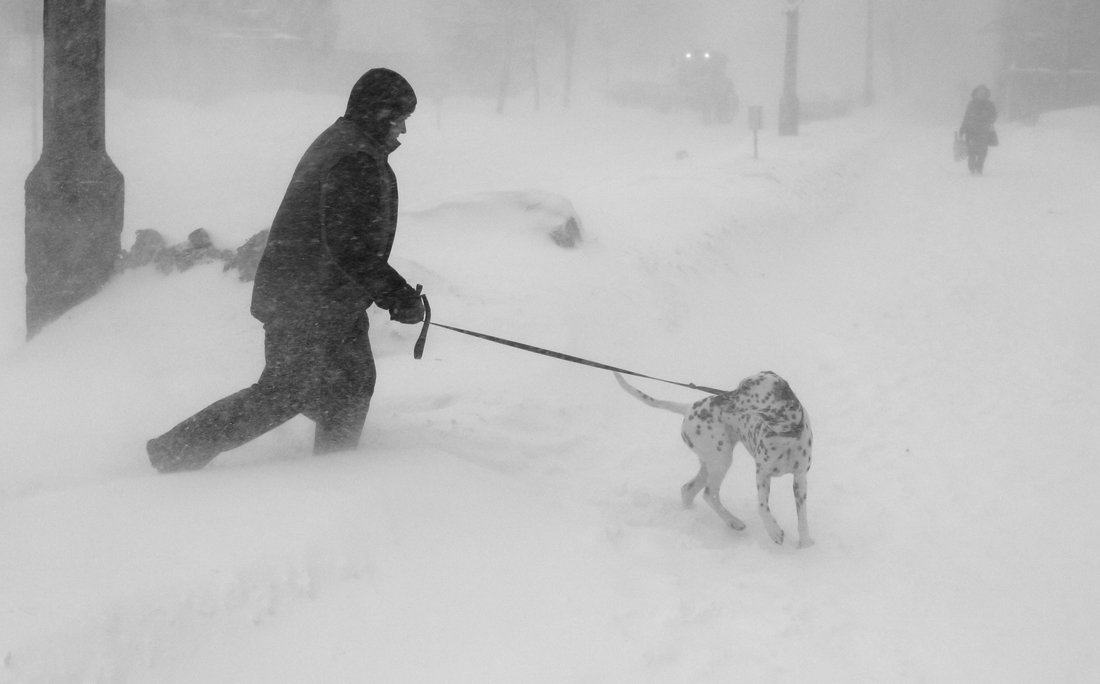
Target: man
pixel 977 129
pixel 324 264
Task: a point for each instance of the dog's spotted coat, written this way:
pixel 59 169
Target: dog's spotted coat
pixel 764 415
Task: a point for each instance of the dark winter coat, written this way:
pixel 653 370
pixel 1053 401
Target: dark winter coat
pixel 326 255
pixel 977 125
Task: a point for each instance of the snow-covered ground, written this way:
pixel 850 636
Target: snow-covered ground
pixel 514 518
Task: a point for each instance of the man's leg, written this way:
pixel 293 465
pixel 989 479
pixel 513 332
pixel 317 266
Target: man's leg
pixel 982 152
pixel 972 157
pixel 344 399
pixel 283 390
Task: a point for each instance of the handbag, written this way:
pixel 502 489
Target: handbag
pixel 959 148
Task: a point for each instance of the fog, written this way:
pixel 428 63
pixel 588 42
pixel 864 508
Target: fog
pixel 554 51
pixel 509 517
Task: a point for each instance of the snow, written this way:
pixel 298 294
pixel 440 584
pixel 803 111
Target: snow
pixel 510 517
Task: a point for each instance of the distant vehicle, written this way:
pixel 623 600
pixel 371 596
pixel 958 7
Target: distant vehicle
pixel 699 82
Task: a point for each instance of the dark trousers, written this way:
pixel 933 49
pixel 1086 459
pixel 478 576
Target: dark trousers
pixel 975 157
pixel 325 372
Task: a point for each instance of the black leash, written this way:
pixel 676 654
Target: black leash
pixel 418 351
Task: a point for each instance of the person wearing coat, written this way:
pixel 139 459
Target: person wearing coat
pixel 977 128
pixel 325 263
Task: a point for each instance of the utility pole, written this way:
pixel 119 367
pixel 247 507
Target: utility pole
pixel 788 103
pixel 869 78
pixel 74 194
pixel 1006 48
pixel 1067 52
pixel 31 16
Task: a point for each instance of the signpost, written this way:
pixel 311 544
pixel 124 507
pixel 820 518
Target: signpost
pixel 756 122
pixel 74 194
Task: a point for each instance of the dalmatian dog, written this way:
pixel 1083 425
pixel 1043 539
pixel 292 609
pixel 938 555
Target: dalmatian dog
pixel 764 415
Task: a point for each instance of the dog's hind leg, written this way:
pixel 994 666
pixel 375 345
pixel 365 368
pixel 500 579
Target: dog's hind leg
pixel 804 539
pixel 690 490
pixel 763 492
pixel 716 472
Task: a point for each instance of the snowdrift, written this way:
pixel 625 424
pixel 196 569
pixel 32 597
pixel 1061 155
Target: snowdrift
pixel 513 518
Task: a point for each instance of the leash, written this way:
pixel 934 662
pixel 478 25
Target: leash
pixel 418 351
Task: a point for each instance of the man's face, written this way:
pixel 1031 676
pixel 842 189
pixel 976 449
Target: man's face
pixel 396 127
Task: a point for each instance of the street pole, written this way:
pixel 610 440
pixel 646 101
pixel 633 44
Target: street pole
pixel 74 194
pixel 788 103
pixel 1067 31
pixel 869 81
pixel 32 23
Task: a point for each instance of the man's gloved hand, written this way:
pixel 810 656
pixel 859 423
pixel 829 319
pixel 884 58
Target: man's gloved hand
pixel 409 308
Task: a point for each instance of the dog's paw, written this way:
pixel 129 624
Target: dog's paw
pixel 777 537
pixel 736 524
pixel 805 543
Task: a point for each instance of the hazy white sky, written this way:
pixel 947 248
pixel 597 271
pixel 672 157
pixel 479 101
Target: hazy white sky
pixel 925 43
pixel 930 47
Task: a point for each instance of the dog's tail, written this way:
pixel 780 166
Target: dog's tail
pixel 673 406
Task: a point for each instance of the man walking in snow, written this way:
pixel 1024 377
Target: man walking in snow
pixel 325 263
pixel 977 129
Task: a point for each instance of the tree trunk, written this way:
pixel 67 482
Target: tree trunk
pixel 535 75
pixel 570 48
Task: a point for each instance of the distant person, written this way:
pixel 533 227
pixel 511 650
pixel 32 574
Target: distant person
pixel 324 264
pixel 977 128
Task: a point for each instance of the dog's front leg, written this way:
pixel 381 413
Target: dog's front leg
pixel 800 505
pixel 763 492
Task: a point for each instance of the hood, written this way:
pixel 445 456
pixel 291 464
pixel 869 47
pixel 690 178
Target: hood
pixel 980 89
pixel 378 91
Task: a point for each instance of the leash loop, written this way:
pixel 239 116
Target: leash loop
pixel 418 348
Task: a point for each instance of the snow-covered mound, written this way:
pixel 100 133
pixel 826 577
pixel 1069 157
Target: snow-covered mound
pixel 510 517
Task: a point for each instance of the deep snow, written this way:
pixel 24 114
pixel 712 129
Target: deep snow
pixel 510 517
